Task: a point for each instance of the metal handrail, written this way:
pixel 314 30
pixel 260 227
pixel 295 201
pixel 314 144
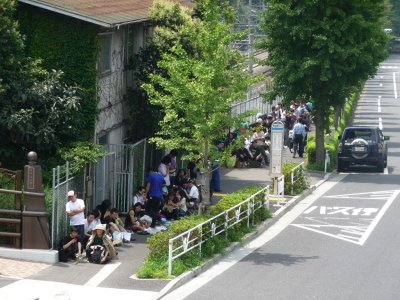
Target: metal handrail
pixel 292 175
pixel 195 237
pixel 15 192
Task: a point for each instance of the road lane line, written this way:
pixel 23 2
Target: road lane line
pixel 237 255
pixel 394 85
pixel 102 274
pixel 379 104
pixel 380 124
pixel 378 217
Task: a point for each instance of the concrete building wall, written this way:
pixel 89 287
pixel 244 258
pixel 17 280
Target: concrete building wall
pixel 113 84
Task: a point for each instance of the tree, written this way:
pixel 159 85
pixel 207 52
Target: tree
pixel 394 16
pixel 201 78
pixel 35 105
pixel 167 17
pixel 322 50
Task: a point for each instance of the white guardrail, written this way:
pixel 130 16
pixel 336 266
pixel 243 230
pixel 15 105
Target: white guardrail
pixel 293 174
pixel 196 236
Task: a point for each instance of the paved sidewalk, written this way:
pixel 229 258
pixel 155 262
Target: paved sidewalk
pixel 120 274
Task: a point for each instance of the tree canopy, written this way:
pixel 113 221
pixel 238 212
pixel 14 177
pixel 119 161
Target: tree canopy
pixel 35 105
pixel 321 50
pixel 201 76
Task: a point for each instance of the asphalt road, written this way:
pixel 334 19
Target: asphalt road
pixel 341 242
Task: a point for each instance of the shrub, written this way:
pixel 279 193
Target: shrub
pixel 301 181
pixel 156 264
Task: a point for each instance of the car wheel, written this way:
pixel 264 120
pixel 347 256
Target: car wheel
pixel 380 167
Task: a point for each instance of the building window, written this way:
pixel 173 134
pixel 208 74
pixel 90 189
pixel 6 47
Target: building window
pixel 105 54
pixel 102 139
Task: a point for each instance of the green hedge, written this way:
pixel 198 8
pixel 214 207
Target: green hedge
pixel 301 183
pixel 333 143
pixel 156 264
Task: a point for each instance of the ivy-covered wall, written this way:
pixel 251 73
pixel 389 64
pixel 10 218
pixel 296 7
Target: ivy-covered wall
pixel 70 45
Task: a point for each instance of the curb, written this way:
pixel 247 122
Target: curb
pixel 185 277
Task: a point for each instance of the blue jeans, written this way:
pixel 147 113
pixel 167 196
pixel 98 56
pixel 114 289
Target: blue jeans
pixel 215 179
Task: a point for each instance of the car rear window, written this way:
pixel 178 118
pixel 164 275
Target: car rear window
pixel 365 134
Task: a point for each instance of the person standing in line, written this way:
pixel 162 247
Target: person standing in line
pixel 75 210
pixel 299 133
pixel 154 194
pixel 164 169
pixel 173 167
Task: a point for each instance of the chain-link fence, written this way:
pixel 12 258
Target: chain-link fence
pixel 63 181
pixel 256 104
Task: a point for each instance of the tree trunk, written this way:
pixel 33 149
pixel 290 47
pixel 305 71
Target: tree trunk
pixel 205 189
pixel 320 133
pixel 336 119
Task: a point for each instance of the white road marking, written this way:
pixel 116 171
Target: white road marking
pixel 378 217
pixel 394 85
pixel 361 232
pixel 46 290
pixel 386 171
pixel 379 104
pixel 379 195
pixel 380 124
pixel 264 238
pixel 102 274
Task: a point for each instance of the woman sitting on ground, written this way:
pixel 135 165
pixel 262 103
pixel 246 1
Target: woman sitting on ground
pixel 180 198
pixel 181 178
pixel 171 208
pixel 99 248
pixel 132 220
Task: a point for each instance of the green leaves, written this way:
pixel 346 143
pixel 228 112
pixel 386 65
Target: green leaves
pixel 37 107
pixel 201 76
pixel 322 50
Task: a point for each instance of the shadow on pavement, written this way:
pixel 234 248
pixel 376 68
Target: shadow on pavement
pixel 259 258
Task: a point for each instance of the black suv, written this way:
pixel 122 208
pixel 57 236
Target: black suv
pixel 362 145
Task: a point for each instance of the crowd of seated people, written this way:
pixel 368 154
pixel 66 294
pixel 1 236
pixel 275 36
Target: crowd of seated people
pixel 255 138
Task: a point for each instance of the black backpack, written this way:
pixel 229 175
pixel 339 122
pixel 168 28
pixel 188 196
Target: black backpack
pixel 95 257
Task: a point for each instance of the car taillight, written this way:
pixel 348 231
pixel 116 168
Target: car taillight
pixel 340 147
pixel 380 148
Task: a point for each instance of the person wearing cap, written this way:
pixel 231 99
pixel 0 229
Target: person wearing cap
pixel 75 210
pixel 100 240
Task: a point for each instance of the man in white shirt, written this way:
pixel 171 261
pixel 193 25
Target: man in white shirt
pixel 299 132
pixel 75 210
pixel 90 224
pixel 164 168
pixel 193 196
